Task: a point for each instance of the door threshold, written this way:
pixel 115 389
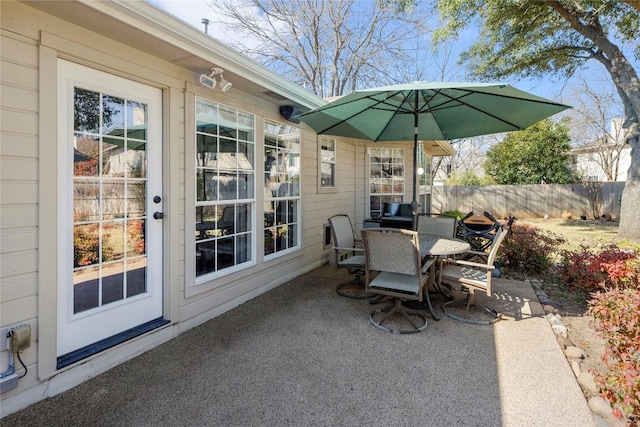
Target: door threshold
pixel 84 352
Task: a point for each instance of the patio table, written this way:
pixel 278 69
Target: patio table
pixel 433 246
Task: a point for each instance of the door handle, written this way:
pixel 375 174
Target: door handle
pixel 158 215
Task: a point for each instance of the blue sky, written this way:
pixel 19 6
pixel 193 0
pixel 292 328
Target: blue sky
pixel 193 11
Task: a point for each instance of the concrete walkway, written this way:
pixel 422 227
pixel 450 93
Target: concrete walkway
pixel 301 355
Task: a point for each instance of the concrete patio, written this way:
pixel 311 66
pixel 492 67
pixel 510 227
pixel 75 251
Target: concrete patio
pixel 301 355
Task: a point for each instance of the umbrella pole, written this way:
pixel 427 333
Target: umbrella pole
pixel 414 202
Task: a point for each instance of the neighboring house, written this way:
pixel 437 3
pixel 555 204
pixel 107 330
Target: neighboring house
pixel 131 201
pixel 606 159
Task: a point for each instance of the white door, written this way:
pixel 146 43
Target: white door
pixel 110 210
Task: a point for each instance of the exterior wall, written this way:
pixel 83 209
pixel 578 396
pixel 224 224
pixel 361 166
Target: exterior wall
pixel 19 188
pixel 32 42
pixel 588 164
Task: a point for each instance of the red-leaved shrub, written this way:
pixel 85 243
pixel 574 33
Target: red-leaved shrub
pixel 616 313
pixel 592 270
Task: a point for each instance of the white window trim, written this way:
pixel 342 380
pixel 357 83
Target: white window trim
pixel 298 246
pixel 196 285
pixel 333 188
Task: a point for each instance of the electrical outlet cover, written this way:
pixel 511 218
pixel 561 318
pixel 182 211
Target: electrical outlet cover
pixel 21 338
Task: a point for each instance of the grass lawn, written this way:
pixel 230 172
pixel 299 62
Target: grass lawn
pixel 577 232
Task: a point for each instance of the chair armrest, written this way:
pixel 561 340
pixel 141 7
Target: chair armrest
pixel 474 264
pixel 338 248
pixel 427 263
pixel 477 253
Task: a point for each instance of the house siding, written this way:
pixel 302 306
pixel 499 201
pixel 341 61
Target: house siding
pixel 19 189
pixel 31 41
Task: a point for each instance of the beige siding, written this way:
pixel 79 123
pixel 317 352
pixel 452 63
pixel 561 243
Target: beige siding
pixel 18 181
pixel 29 194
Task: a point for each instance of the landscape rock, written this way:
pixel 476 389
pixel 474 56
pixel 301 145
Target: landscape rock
pixel 560 330
pixel 603 408
pixel 588 383
pixel 573 352
pixel 575 367
pixel 565 342
pixel 548 308
pixel 537 285
pixel 553 319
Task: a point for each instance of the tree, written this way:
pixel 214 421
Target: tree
pixel 538 38
pixel 331 47
pixel 536 155
pixel 469 157
pixel 468 177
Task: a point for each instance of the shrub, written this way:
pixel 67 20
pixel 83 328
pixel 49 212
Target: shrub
pixel 528 249
pixel 590 270
pixel 452 214
pixel 86 246
pixel 616 313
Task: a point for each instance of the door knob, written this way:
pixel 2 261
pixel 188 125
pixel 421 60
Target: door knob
pixel 158 215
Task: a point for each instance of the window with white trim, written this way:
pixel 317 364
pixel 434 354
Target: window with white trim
pixel 386 178
pixel 327 162
pixel 225 187
pixel 424 180
pixel 281 188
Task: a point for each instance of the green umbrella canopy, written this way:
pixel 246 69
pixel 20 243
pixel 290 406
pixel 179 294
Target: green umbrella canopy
pixel 429 111
pixel 442 111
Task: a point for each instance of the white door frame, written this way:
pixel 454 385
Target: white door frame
pixel 82 329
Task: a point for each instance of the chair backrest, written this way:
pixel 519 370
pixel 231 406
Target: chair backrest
pixel 392 249
pixel 342 231
pixel 445 227
pixel 501 233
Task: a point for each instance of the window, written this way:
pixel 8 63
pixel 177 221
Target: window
pixel 424 180
pixel 386 178
pixel 225 183
pixel 281 187
pixel 327 162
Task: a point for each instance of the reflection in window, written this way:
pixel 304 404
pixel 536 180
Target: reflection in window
pixel 281 187
pixel 225 183
pixel 386 178
pixel 327 162
pixel 109 198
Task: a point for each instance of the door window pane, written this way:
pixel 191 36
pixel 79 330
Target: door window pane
pixel 109 187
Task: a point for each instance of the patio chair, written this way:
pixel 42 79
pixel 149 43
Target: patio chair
pixel 349 254
pixel 472 276
pixel 395 255
pixel 442 226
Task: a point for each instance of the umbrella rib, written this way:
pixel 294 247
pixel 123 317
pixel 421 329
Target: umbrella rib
pixel 397 109
pixel 378 101
pixel 458 99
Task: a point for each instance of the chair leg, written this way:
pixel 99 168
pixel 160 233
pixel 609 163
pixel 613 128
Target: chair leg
pixel 394 310
pixel 354 289
pixel 469 302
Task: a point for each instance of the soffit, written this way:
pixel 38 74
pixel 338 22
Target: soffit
pixel 439 148
pixel 143 26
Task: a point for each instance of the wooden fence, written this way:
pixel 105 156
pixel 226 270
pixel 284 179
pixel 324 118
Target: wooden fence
pixel 531 201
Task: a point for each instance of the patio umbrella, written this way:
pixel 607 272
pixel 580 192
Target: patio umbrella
pixel 429 111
